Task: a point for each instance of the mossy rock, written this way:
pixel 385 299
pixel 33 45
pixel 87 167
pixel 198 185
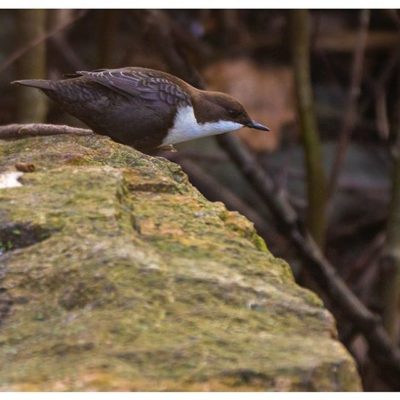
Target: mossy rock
pixel 117 274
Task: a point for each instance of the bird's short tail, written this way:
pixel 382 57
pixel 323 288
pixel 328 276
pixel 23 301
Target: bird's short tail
pixel 36 83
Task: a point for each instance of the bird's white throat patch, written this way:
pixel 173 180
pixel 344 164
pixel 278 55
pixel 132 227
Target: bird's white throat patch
pixel 186 127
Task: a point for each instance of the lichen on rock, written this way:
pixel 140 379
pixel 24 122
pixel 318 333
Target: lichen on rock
pixel 117 274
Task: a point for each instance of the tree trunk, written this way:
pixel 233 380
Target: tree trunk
pixel 32 104
pixel 108 27
pixel 316 182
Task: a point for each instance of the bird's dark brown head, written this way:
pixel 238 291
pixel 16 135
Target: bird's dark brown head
pixel 215 106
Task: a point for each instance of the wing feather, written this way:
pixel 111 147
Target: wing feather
pixel 138 83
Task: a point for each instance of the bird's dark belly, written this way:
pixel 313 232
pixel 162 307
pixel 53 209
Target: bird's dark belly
pixel 127 125
pixel 125 120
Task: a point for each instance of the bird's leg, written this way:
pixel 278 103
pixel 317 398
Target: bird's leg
pixel 168 147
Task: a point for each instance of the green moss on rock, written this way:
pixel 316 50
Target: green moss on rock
pixel 128 279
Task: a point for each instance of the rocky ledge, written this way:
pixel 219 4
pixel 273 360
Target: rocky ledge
pixel 117 274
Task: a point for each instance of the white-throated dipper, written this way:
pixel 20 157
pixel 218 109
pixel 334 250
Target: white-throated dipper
pixel 144 108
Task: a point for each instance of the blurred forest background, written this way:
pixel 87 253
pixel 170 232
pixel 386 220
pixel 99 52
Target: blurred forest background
pixel 323 187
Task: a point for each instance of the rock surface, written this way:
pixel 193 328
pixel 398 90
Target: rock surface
pixel 117 274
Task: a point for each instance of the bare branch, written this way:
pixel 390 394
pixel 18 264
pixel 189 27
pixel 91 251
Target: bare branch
pixel 351 106
pixel 20 131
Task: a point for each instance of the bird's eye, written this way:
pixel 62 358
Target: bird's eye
pixel 234 113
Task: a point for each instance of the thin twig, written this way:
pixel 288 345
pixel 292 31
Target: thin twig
pixel 351 105
pixel 379 89
pixel 382 120
pixel 370 254
pixel 70 55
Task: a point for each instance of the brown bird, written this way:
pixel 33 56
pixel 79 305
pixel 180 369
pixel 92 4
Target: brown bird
pixel 144 108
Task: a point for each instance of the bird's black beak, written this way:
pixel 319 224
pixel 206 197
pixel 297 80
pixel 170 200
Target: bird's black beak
pixel 256 125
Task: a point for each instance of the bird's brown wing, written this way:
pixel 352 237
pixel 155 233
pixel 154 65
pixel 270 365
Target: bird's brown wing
pixel 146 84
